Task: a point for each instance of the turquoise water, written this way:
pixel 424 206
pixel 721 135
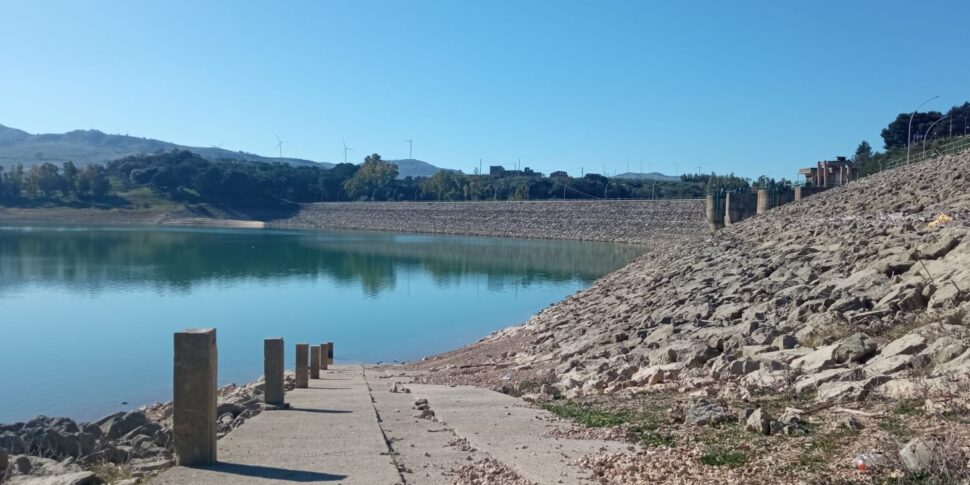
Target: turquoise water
pixel 87 314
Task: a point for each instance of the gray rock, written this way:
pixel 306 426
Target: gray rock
pixel 759 422
pixel 940 248
pixel 851 422
pixel 910 343
pixel 944 349
pixel 4 460
pixel 820 359
pixel 785 342
pixel 118 425
pixel 854 348
pixel 21 465
pixel 916 456
pixel 231 408
pixel 63 444
pixel 12 442
pixel 704 412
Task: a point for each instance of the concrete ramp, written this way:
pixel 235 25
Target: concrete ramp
pixel 330 435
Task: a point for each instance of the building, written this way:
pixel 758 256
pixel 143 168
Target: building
pixel 830 173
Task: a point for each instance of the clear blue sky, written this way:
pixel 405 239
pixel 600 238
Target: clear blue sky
pixel 749 87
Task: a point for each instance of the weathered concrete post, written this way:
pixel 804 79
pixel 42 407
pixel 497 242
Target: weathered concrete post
pixel 273 368
pixel 764 202
pixel 194 396
pixel 329 353
pixel 314 362
pixel 324 356
pixel 714 211
pixel 302 356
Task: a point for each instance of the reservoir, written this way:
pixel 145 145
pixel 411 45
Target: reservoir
pixel 87 314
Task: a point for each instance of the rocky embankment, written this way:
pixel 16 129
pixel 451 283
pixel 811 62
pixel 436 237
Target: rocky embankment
pixel 852 302
pixel 617 221
pixel 121 448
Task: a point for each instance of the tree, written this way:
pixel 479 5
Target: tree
pixel 70 172
pixel 445 185
pixel 863 153
pixel 894 135
pixel 374 180
pixel 92 181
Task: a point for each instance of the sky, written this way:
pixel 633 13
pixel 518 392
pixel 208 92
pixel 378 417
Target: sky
pixel 745 87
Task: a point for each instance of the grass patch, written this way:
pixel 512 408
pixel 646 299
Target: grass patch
pixel 643 426
pixel 727 445
pixel 110 472
pixel 720 456
pixel 823 447
pixel 909 407
pixel 587 415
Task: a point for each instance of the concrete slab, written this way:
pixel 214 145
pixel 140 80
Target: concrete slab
pixel 330 434
pixel 428 452
pixel 512 432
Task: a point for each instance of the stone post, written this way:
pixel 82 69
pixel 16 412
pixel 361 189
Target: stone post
pixel 324 356
pixel 194 396
pixel 302 357
pixel 273 368
pixel 314 362
pixel 329 353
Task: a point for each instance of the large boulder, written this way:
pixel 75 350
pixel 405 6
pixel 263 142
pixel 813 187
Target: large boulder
pixel 706 412
pixel 759 422
pixel 12 442
pixel 855 348
pixel 910 343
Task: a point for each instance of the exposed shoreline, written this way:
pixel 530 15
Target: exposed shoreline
pixel 621 221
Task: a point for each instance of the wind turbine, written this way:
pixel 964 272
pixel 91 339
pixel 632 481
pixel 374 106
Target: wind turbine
pixel 410 148
pixel 346 149
pixel 279 145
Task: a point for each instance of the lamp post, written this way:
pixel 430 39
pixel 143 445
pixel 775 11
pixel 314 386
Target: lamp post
pixel 909 130
pixel 927 134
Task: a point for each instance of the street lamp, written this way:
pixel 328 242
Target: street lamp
pixel 909 130
pixel 927 134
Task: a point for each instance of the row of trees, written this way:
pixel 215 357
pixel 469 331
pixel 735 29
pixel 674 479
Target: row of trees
pixel 50 181
pixel 182 175
pixel 927 126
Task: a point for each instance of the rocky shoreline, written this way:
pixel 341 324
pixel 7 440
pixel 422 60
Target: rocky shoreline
pixel 851 302
pixel 122 448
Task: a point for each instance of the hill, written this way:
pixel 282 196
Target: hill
pixel 410 167
pixel 92 146
pixel 647 176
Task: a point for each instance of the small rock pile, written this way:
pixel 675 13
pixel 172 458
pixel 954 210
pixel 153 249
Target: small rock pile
pixel 61 450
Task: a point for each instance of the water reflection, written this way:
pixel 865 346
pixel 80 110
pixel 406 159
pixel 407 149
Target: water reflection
pixel 175 260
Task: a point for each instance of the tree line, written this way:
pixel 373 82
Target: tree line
pixel 185 176
pixel 928 128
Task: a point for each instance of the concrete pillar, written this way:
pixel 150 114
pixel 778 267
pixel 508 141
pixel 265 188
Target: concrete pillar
pixel 714 210
pixel 324 356
pixel 273 368
pixel 764 202
pixel 314 362
pixel 302 363
pixel 195 395
pixel 329 353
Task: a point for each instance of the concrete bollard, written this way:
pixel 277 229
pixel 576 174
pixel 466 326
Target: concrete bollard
pixel 302 357
pixel 273 368
pixel 195 396
pixel 323 356
pixel 329 353
pixel 314 362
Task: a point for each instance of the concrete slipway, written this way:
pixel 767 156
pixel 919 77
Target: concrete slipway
pixel 348 428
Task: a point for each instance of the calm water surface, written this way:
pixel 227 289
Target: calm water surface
pixel 87 314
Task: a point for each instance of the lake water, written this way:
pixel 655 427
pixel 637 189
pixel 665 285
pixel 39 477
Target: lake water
pixel 87 314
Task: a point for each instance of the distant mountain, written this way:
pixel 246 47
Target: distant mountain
pixel 647 176
pixel 92 146
pixel 410 167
